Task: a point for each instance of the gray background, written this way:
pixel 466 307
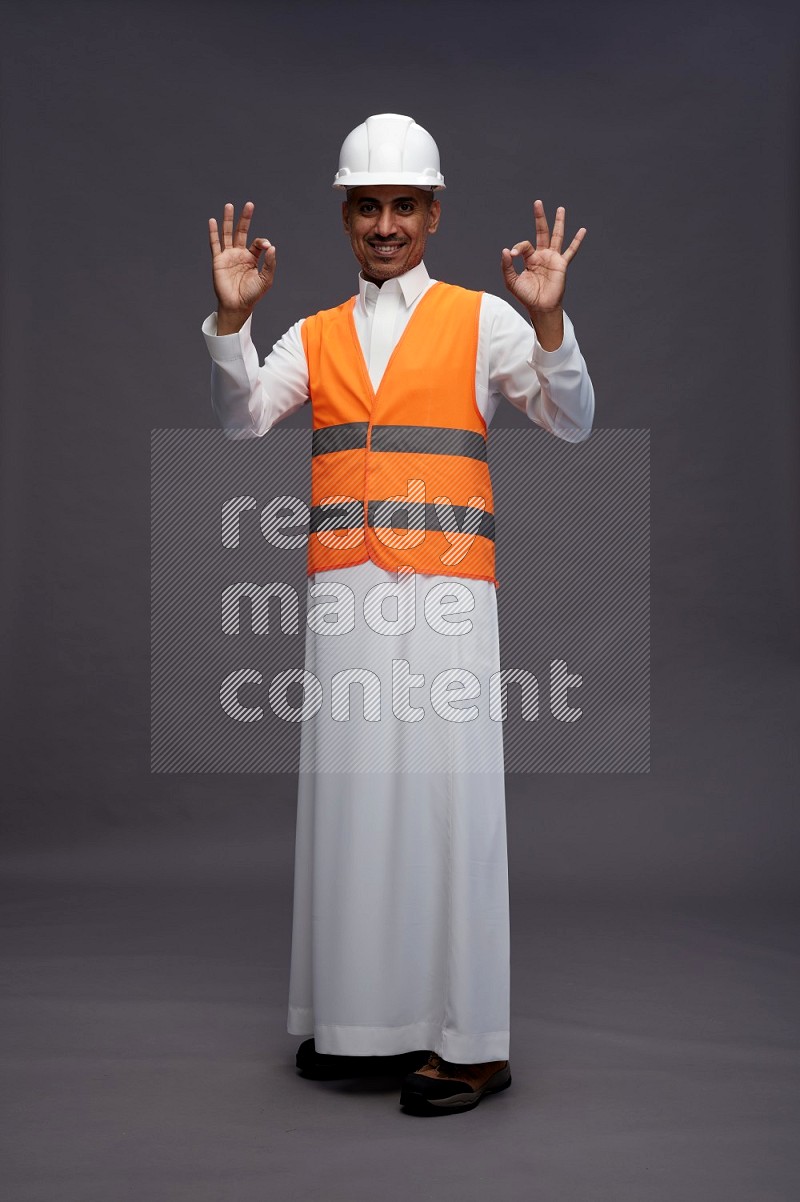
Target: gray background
pixel 146 920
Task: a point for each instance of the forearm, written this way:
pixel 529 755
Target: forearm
pixel 566 399
pixel 247 399
pixel 541 372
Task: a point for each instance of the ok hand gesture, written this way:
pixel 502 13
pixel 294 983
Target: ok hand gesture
pixel 540 285
pixel 238 282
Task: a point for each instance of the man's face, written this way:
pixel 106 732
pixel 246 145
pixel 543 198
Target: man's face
pixel 388 227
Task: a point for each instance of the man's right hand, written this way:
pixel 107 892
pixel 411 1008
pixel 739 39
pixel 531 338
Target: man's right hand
pixel 238 282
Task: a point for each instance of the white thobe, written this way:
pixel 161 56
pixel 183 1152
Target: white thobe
pixel 400 931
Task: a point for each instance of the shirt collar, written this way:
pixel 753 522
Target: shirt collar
pixel 411 284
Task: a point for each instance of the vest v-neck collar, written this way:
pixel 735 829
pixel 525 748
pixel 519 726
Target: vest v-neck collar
pixel 362 363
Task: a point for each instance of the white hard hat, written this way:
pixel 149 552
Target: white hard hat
pixel 389 149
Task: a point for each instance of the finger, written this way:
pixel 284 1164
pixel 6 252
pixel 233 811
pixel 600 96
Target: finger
pixel 240 238
pixel 528 253
pixel 523 248
pixel 542 228
pixel 558 229
pixel 213 237
pixel 258 245
pixel 227 226
pixel 574 245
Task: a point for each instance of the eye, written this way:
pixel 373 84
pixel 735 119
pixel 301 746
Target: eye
pixel 406 206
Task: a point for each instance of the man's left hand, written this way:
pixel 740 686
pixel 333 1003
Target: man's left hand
pixel 541 283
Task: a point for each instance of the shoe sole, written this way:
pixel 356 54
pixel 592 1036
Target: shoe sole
pixel 417 1103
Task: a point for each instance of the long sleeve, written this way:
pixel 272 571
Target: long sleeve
pixel 247 399
pixel 552 387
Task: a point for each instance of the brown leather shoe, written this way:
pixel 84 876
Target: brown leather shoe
pixel 442 1087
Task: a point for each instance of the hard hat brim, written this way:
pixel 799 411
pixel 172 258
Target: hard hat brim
pixel 411 179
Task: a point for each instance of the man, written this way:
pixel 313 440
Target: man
pixel 400 939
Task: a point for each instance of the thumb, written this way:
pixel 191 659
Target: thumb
pixel 508 269
pixel 268 266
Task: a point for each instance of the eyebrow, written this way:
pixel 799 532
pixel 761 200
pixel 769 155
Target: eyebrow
pixel 395 200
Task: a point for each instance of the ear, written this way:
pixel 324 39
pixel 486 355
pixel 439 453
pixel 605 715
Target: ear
pixel 434 215
pixel 346 216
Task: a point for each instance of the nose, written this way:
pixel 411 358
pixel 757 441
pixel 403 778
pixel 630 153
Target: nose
pixel 386 222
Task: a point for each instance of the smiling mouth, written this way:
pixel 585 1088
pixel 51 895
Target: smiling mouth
pixel 386 250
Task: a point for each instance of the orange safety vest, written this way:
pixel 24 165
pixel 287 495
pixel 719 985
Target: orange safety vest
pixel 400 476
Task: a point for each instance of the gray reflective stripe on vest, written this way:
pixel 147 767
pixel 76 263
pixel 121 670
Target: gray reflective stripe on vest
pixel 405 515
pixel 337 515
pixel 347 437
pixel 426 516
pixel 415 440
pixel 429 440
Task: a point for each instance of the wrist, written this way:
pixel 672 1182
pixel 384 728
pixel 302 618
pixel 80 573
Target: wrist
pixel 549 327
pixel 230 321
